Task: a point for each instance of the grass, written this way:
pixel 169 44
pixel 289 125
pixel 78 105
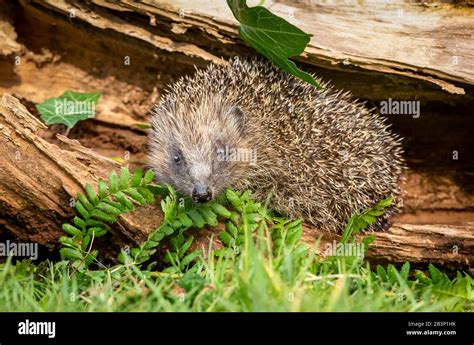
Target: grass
pixel 254 280
pixel 262 266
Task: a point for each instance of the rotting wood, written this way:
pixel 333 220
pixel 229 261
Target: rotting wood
pixel 382 39
pixel 39 181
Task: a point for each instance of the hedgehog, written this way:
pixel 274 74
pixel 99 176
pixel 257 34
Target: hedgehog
pixel 248 125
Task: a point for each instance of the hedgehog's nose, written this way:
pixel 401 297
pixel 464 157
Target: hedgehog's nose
pixel 201 193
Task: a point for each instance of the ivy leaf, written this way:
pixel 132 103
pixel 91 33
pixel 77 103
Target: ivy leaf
pixel 69 108
pixel 271 36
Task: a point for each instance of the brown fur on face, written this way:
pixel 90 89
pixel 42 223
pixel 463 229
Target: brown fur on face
pixel 189 143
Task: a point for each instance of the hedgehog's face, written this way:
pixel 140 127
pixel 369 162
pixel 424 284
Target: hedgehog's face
pixel 190 146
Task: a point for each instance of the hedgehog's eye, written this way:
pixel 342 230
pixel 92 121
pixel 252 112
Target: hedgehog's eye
pixel 176 158
pixel 220 149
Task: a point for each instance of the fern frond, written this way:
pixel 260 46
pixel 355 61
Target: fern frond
pixel 96 209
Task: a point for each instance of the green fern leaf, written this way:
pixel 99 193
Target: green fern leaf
pixel 137 178
pixel 79 223
pixel 136 196
pixel 103 192
pixel 71 230
pixel 81 209
pixel 196 217
pixel 124 178
pixel 87 205
pixel 102 216
pixel 91 195
pixel 148 178
pixel 106 207
pixel 113 182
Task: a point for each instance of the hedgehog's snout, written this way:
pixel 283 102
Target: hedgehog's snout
pixel 201 193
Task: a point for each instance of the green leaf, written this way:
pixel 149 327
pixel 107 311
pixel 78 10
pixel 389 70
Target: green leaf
pixel 367 240
pixel 136 196
pixel 108 208
pixel 148 177
pixel 435 274
pixel 82 211
pixel 69 108
pixel 176 224
pixel 196 217
pixel 122 198
pixel 81 197
pixel 91 194
pixel 71 230
pixel 122 257
pixel 79 222
pixel 271 36
pixel 124 177
pixel 70 253
pixel 93 222
pixel 91 256
pixel 209 216
pixel 157 236
pixel 405 270
pixel 113 182
pixel 385 202
pixel 184 248
pixel 226 238
pixel 231 229
pixel 392 273
pixel 85 242
pixel 185 220
pixel 150 244
pixel 252 217
pixel 235 200
pixel 102 216
pixel 68 241
pixel 190 257
pixel 116 204
pixel 96 231
pixel 137 178
pixel 220 210
pixel 368 218
pixel 382 273
pixel 102 189
pixel 167 230
pixel 145 192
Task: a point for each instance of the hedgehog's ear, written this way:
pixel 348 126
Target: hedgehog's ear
pixel 239 116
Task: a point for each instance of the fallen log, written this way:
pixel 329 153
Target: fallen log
pixel 39 179
pixel 376 42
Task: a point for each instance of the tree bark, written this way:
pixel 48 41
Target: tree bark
pixel 40 180
pixel 375 42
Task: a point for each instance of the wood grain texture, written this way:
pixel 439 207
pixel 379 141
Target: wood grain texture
pixel 432 43
pixel 39 181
